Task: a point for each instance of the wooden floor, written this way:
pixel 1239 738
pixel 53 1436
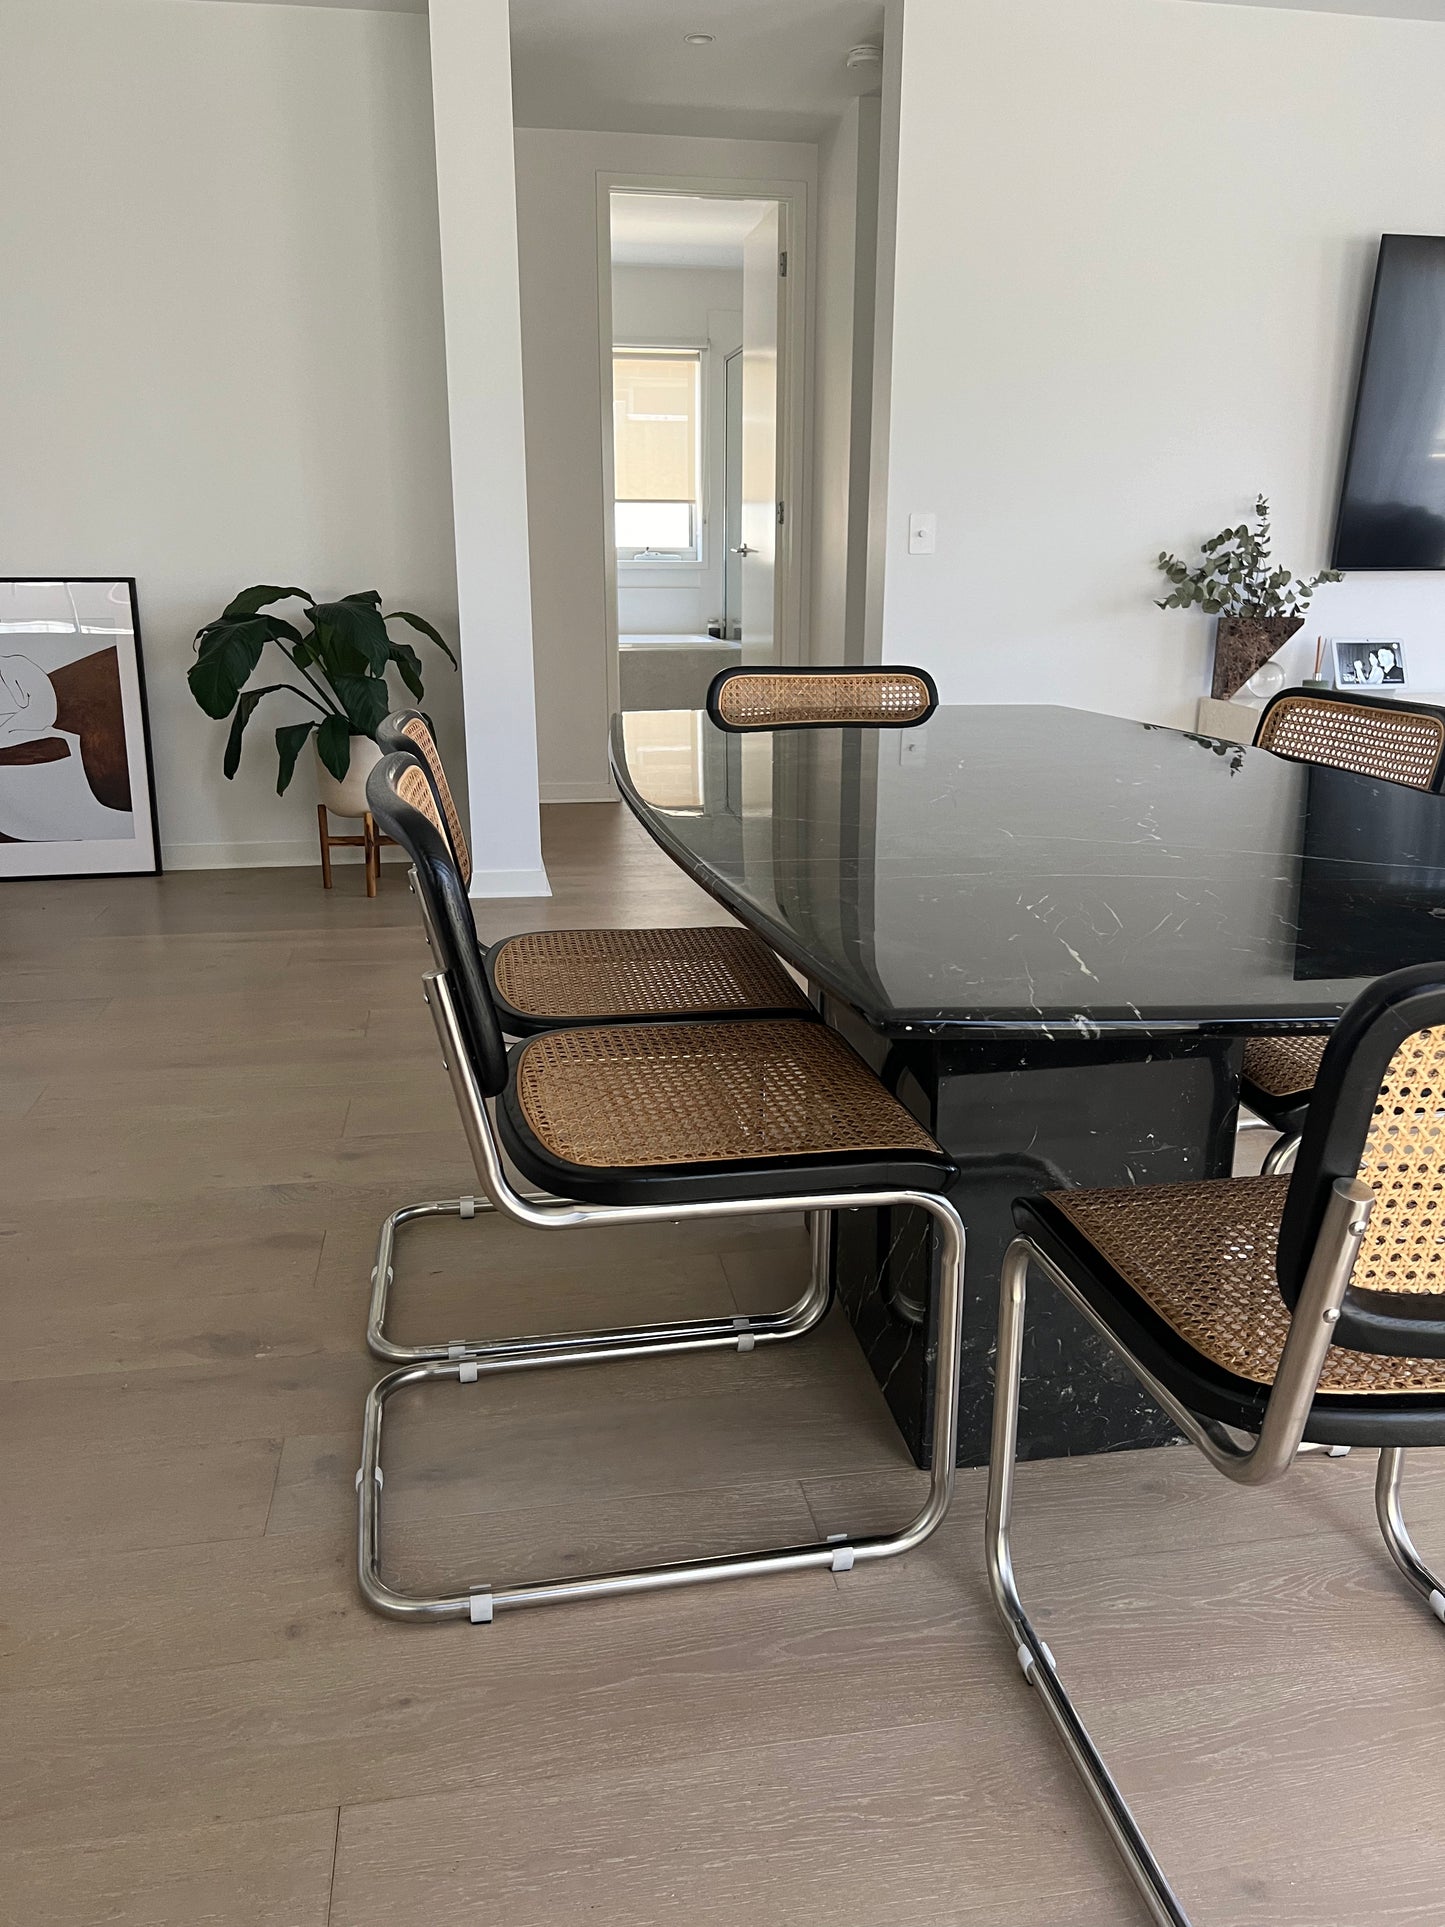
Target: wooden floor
pixel 211 1088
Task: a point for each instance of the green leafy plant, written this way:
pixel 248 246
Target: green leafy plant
pixel 342 658
pixel 1235 576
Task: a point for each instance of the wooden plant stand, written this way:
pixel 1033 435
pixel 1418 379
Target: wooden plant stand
pixel 370 840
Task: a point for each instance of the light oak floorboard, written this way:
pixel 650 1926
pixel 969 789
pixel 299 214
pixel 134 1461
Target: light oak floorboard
pixel 214 1086
pixel 272 1873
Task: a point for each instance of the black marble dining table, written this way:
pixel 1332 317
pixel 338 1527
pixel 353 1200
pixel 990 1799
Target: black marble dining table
pixel 1051 931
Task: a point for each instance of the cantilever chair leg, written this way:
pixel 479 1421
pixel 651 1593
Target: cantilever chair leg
pixel 617 1342
pixel 1276 1447
pixel 1035 1660
pixel 838 1553
pixel 1390 1514
pixel 383 1273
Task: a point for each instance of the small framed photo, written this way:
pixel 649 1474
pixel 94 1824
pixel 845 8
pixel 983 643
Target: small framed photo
pixel 77 795
pixel 1368 662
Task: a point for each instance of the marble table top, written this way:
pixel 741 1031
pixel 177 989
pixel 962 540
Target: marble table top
pixel 1032 869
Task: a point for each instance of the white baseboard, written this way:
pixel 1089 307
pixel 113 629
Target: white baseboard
pixel 510 883
pixel 604 792
pixel 299 853
pixel 284 854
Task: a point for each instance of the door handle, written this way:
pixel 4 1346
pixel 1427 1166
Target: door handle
pixel 744 550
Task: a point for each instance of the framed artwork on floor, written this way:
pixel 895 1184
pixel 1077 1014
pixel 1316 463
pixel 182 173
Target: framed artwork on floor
pixel 77 794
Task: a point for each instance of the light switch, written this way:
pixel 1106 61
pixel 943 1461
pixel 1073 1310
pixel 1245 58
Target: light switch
pixel 922 532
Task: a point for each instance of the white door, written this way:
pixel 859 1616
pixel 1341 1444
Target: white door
pixel 759 523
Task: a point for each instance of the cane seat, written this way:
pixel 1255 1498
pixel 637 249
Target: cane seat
pixel 543 979
pixel 1201 1258
pixel 548 977
pixel 676 1111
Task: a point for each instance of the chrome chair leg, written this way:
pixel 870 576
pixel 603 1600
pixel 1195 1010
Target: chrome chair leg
pixel 1279 1158
pixel 838 1553
pixel 791 1322
pixel 1396 1534
pixel 1034 1658
pixel 383 1272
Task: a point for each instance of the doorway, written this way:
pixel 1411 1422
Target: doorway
pixel 701 309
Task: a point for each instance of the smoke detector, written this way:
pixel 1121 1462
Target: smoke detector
pixel 865 56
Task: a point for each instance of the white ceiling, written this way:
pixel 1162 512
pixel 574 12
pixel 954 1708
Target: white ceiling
pixel 681 231
pixel 1381 9
pixel 776 69
pixel 536 23
pixel 361 6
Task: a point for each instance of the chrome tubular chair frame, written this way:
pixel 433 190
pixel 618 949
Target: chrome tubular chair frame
pixel 791 1323
pixel 1401 1547
pixel 1279 1158
pixel 383 1271
pixel 479 1604
pixel 1267 1458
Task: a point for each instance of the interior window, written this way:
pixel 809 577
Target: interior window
pixel 656 409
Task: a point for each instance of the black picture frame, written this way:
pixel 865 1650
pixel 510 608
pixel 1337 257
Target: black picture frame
pixel 138 854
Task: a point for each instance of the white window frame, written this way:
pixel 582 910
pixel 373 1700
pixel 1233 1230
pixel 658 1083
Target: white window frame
pixel 630 564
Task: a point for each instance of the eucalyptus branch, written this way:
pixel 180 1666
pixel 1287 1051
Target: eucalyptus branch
pixel 1234 576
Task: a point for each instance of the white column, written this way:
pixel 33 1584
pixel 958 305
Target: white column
pixel 476 196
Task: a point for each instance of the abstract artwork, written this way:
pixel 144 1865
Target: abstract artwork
pixel 76 793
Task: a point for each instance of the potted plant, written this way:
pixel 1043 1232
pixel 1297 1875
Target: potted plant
pixel 1259 606
pixel 342 657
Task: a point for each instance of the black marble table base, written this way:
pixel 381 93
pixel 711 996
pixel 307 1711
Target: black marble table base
pixel 1035 1116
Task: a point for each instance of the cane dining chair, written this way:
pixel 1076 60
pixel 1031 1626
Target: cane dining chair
pixel 547 979
pixel 1287 1309
pixel 880 697
pixel 1396 742
pixel 1392 741
pixel 629 1124
pixel 551 979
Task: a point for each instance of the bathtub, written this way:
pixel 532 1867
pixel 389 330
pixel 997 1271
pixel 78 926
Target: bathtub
pixel 671 672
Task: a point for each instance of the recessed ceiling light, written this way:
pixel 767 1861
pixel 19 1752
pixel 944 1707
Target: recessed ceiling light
pixel 699 39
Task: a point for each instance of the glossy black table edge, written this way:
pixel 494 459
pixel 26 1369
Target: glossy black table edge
pixel 1004 1026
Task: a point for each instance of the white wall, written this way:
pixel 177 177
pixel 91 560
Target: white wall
pixel 223 345
pixel 1135 240
pixel 843 382
pixel 472 92
pixel 557 174
pixel 691 307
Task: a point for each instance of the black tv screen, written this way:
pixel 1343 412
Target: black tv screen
pixel 1392 504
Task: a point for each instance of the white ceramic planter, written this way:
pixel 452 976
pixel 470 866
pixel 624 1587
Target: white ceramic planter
pixel 347 798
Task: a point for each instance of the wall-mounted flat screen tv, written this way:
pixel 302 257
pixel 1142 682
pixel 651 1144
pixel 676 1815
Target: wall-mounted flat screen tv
pixel 1392 504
